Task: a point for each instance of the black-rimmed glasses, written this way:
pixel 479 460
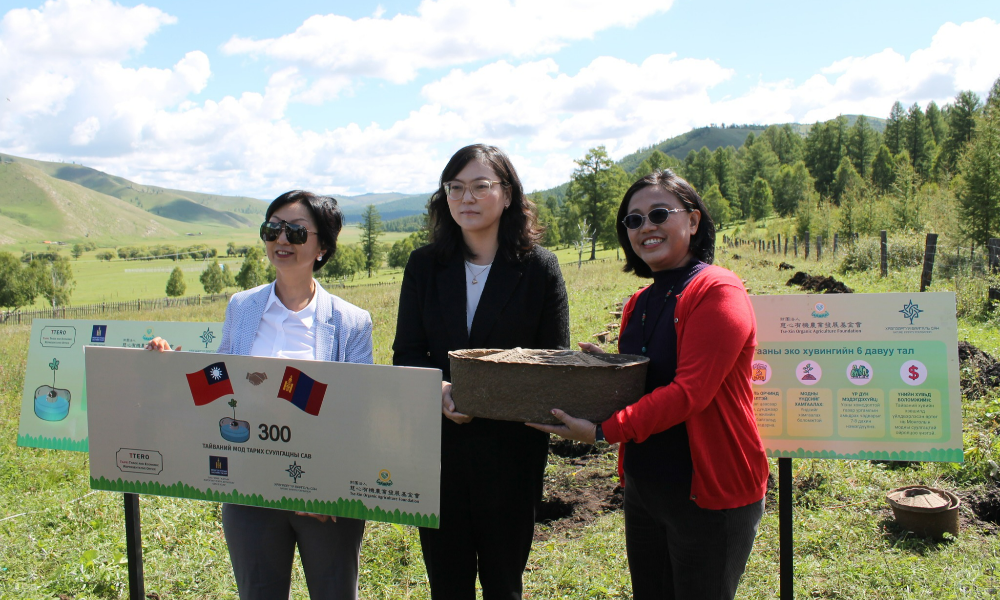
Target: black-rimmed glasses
pixel 655 216
pixel 295 234
pixel 478 188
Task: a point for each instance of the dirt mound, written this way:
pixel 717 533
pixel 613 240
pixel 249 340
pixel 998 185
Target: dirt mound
pixel 785 267
pixel 583 487
pixel 818 283
pixel 980 372
pixel 985 505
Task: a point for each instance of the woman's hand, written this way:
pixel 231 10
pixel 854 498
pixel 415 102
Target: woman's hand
pixel 591 348
pixel 160 345
pixel 448 405
pixel 320 518
pixel 572 428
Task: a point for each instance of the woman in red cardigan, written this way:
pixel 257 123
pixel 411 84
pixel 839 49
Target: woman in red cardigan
pixel 691 460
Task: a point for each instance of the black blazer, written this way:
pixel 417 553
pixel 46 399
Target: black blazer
pixel 524 304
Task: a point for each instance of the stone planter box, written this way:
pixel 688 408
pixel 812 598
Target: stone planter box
pixel 524 385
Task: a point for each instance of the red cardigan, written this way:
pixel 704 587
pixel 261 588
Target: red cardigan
pixel 711 393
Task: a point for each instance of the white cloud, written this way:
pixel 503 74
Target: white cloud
pixel 85 131
pixel 142 123
pixel 443 33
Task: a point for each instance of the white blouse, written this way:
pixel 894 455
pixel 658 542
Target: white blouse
pixel 474 291
pixel 286 334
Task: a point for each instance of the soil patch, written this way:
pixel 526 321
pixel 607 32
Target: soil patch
pixel 818 283
pixel 984 504
pixel 980 372
pixel 583 487
pixel 785 267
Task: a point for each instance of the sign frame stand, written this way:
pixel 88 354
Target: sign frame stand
pixel 786 558
pixel 133 547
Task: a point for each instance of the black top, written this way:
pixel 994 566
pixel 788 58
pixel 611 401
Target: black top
pixel 524 304
pixel 666 455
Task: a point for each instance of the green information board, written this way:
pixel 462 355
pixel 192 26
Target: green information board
pixel 54 401
pixel 863 376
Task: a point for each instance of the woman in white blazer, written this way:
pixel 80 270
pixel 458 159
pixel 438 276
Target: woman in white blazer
pixel 294 317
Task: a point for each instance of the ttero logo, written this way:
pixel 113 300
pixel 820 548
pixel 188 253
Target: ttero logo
pixel 384 478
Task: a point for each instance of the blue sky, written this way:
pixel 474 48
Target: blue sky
pixel 347 98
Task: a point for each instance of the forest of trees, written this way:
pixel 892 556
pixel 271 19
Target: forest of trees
pixel 933 168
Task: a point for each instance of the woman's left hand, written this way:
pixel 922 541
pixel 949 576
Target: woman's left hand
pixel 572 428
pixel 320 518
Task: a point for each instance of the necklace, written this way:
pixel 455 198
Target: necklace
pixel 645 340
pixel 475 276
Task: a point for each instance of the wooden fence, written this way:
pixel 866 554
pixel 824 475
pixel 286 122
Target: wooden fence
pixel 25 317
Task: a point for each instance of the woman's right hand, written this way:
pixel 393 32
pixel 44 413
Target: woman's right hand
pixel 448 405
pixel 160 345
pixel 591 348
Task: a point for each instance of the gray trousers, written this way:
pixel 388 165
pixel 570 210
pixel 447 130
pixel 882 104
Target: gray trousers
pixel 678 550
pixel 262 547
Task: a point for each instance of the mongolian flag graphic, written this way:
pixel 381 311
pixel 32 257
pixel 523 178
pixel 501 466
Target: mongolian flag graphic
pixel 210 383
pixel 302 390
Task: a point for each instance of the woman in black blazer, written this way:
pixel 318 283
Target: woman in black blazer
pixel 482 282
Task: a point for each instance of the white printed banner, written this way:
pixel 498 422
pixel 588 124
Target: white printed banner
pixel 343 439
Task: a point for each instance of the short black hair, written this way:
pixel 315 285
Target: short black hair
pixel 325 213
pixel 519 229
pixel 703 240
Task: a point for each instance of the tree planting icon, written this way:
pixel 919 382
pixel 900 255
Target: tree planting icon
pixel 233 430
pixel 52 403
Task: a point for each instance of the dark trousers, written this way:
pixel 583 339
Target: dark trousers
pixel 262 547
pixel 677 550
pixel 490 489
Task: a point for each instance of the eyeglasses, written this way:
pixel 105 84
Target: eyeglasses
pixel 295 234
pixel 478 188
pixel 655 216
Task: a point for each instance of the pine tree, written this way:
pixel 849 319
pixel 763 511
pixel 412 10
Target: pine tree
pixel 825 146
pixel 961 125
pixel 894 136
pixel 175 284
pixel 919 142
pixel 371 230
pixel 724 162
pixel 761 199
pixel 700 173
pixel 979 194
pixel 862 143
pixel 845 179
pixel 936 122
pixel 718 206
pixel 787 144
pixel 883 169
pixel 595 190
pixel 793 186
pixel 759 160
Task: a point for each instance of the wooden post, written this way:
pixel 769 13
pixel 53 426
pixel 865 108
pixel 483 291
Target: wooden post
pixel 884 254
pixel 930 247
pixel 795 245
pixel 994 246
pixel 778 248
pixel 806 245
pixel 819 248
pixel 835 239
pixel 786 245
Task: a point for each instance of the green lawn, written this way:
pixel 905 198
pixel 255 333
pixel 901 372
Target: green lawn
pixel 59 537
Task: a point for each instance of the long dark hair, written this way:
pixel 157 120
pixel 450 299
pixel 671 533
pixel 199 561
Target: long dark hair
pixel 519 229
pixel 703 240
pixel 325 213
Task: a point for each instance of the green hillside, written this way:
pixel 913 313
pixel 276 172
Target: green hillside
pixel 405 206
pixel 179 205
pixel 35 207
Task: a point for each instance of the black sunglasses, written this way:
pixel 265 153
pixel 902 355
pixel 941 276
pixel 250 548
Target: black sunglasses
pixel 295 234
pixel 655 216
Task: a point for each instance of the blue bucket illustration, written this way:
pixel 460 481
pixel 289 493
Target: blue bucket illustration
pixel 51 404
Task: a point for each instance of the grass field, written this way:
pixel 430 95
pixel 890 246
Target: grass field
pixel 59 537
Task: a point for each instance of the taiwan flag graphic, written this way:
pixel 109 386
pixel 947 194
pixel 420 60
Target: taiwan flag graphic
pixel 302 391
pixel 210 383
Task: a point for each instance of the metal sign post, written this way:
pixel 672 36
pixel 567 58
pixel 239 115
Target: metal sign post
pixel 786 561
pixel 133 547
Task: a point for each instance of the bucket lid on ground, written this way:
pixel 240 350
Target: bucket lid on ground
pixel 919 498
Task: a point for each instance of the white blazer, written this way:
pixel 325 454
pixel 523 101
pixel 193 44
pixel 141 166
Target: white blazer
pixel 343 331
